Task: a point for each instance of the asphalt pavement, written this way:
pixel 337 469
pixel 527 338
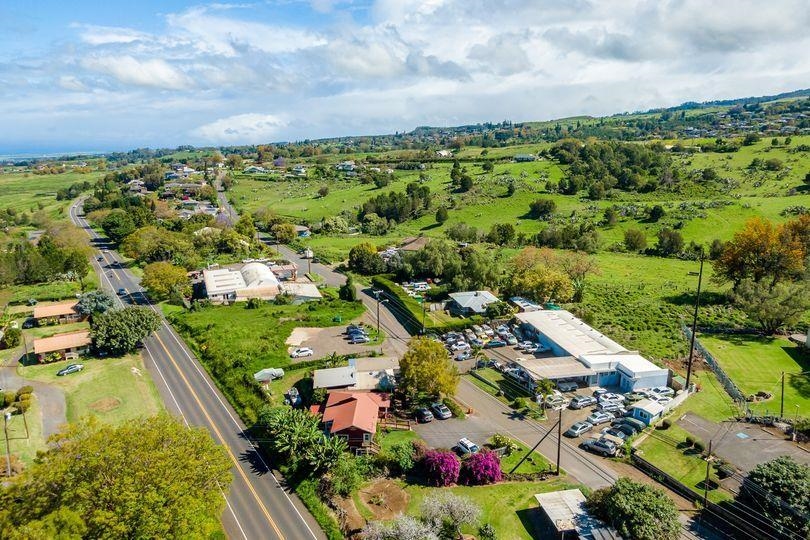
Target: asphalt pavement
pixel 257 504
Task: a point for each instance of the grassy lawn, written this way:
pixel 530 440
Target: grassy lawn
pixel 25 448
pixel 661 449
pixel 55 290
pixel 387 439
pixel 534 463
pixel 111 389
pixel 509 507
pixel 756 364
pixel 712 402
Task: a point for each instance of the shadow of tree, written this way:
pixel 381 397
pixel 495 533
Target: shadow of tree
pixel 707 298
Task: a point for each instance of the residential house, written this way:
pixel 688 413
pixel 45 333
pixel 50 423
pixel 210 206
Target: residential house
pixel 67 346
pixel 522 158
pixel 299 170
pixel 254 169
pixel 567 514
pixel 372 373
pixel 345 166
pixel 471 302
pixel 302 231
pixel 353 416
pixel 333 378
pixel 62 313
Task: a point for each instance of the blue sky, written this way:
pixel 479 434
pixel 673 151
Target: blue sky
pixel 103 75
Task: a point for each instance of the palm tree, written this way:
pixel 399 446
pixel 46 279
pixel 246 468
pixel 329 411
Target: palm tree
pixel 325 453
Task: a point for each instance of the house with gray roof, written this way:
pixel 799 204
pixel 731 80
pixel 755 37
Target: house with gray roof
pixel 471 302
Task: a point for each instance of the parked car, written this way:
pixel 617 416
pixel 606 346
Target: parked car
pixel 610 396
pixel 638 425
pixel 600 446
pixel 70 368
pixel 523 345
pixel 493 343
pixel 478 330
pixel 475 342
pixel 580 402
pixel 567 386
pixel 532 349
pixel 614 432
pixel 610 406
pixel 627 429
pixel 578 429
pixel 358 339
pixel 441 411
pixel 423 415
pixel 599 418
pixel 633 397
pixel 464 355
pixel 487 330
pixel 460 346
pixel 556 403
pixel 301 352
pixel 663 400
pixel 598 391
pixel 466 446
pixel 662 391
pixel 122 292
pixel 511 339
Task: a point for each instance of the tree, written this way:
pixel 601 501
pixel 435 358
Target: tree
pixel 95 302
pixel 750 138
pixel 323 191
pixel 669 243
pixel 402 528
pixel 234 162
pixel 292 431
pixel 611 216
pixel 441 468
pixel 807 178
pixel 119 331
pixel 441 214
pixel 781 489
pixel 448 512
pixel 636 510
pixel 772 306
pixel 481 469
pixel 487 166
pixel 325 453
pixel 760 251
pixel 511 187
pixel 11 337
pixel 284 233
pixel 635 239
pixel 123 471
pixel 347 291
pixel 501 234
pixel 245 226
pixel 151 244
pixel 363 259
pixel 425 368
pixel 542 209
pixel 465 183
pixel 577 266
pixel 543 283
pixel 657 212
pixel 118 225
pixel 166 281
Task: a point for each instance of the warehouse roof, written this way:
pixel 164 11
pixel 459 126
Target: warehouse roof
pixel 570 333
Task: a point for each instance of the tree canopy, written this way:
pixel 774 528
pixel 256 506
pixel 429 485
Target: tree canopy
pixel 425 368
pixel 781 489
pixel 164 280
pixel 95 302
pixel 636 510
pixel 147 478
pixel 119 331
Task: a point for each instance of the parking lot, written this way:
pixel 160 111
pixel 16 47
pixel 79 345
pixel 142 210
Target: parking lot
pixel 325 341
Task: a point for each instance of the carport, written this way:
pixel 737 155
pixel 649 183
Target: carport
pixel 554 368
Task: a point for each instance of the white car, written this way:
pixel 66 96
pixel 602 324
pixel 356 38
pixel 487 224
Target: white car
pixel 460 346
pixel 599 418
pixel 663 400
pixel 487 330
pixel 556 402
pixel 610 396
pixel 467 446
pixel 662 391
pixel 301 352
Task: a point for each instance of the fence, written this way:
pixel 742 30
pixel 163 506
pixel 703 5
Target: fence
pixel 729 386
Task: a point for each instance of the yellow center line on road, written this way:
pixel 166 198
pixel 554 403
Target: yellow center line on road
pixel 221 439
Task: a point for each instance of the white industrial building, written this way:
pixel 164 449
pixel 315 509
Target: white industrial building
pixel 253 280
pixel 583 354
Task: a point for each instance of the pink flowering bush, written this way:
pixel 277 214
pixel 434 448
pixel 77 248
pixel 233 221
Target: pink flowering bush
pixel 441 468
pixel 482 468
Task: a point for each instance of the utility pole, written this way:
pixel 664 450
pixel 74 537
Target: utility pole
pixel 706 480
pixel 559 440
pixel 6 416
pixel 694 323
pixel 782 401
pixel 377 295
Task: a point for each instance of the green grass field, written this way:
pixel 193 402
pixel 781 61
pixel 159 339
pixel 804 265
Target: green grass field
pixel 756 364
pixel 661 449
pixel 24 445
pixel 711 402
pixel 111 389
pixel 509 507
pixel 25 191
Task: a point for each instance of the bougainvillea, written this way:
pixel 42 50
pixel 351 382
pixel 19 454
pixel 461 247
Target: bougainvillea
pixel 480 469
pixel 441 468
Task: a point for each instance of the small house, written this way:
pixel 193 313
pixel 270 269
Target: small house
pixel 67 346
pixel 523 158
pixel 471 302
pixel 353 416
pixel 62 313
pixel 647 411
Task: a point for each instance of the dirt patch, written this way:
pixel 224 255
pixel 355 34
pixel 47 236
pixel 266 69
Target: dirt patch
pixel 385 499
pixel 300 335
pixel 106 404
pixel 351 519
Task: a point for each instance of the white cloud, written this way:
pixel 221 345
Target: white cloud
pixel 155 73
pixel 69 82
pixel 105 35
pixel 241 128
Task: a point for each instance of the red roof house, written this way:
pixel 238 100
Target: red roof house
pixel 353 415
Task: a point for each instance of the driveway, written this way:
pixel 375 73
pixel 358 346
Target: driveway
pixel 325 341
pixel 745 445
pixel 51 399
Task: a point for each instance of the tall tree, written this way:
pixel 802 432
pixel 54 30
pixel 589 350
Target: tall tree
pixel 772 307
pixel 119 331
pixel 166 281
pixel 147 478
pixel 118 225
pixel 425 368
pixel 781 488
pixel 95 302
pixel 284 233
pixel 636 510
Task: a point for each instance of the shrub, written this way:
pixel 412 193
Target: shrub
pixel 343 478
pixel 690 441
pixel 8 397
pixel 481 469
pixel 23 405
pixel 401 456
pixel 700 446
pixel 441 468
pixel 319 395
pixel 487 532
pixel 666 424
pixel 520 403
pixel 25 390
pixel 11 338
pixel 454 407
pixel 502 441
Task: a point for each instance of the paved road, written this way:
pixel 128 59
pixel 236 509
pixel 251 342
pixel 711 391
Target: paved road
pixel 258 506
